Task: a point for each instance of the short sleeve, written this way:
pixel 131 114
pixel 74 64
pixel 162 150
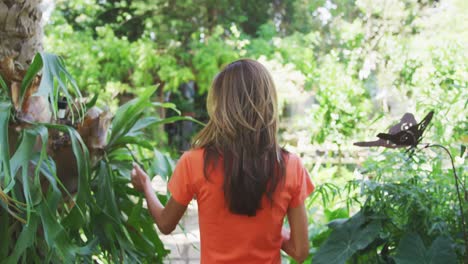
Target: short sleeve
pixel 180 185
pixel 304 186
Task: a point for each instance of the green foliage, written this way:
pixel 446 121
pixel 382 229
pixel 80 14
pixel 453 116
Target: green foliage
pixel 55 80
pixel 343 104
pixel 26 188
pixel 4 86
pixel 5 108
pixel 347 238
pixel 157 68
pixel 412 250
pixel 205 64
pixel 365 83
pixel 401 212
pixel 105 219
pixel 142 45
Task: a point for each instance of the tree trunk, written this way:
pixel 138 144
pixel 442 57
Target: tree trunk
pixel 21 30
pixel 20 39
pixel 21 35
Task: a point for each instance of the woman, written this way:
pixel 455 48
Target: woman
pixel 244 183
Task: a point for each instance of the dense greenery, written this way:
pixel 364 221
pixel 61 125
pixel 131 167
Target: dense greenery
pixel 102 218
pixel 345 70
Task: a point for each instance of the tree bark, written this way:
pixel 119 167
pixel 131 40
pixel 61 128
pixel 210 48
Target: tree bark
pixel 21 30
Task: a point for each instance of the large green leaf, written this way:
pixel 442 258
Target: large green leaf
pixel 151 121
pixel 81 154
pixel 24 241
pixel 141 124
pixel 20 163
pixel 47 169
pixel 141 219
pixel 33 70
pixel 105 192
pixel 168 106
pixel 178 118
pixel 3 85
pixel 132 140
pixel 128 120
pixel 412 250
pixel 43 134
pixel 53 72
pixel 4 234
pixel 4 143
pixel 92 102
pixel 347 238
pixel 54 233
pixel 128 114
pixel 339 213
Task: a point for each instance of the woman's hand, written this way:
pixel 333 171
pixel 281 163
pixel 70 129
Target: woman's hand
pixel 166 218
pixel 140 179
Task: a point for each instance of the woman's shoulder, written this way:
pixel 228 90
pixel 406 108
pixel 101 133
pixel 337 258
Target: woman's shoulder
pixel 194 155
pixel 294 167
pixel 291 159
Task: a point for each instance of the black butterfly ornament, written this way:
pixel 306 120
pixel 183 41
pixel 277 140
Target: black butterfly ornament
pixel 407 133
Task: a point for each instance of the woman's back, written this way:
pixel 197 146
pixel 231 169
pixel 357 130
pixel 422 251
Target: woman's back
pixel 235 238
pixel 243 181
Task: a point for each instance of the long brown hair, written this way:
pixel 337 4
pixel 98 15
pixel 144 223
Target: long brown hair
pixel 242 106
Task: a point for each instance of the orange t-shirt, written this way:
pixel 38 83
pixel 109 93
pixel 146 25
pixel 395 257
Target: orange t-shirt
pixel 229 238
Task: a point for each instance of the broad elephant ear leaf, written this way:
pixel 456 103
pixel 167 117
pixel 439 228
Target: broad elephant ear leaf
pixel 339 213
pixel 347 238
pixel 412 250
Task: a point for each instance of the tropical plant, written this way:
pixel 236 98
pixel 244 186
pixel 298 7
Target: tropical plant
pixel 400 215
pixel 64 192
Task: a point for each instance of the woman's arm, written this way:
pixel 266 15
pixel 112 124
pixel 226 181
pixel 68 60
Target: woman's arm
pixel 166 218
pixel 296 241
